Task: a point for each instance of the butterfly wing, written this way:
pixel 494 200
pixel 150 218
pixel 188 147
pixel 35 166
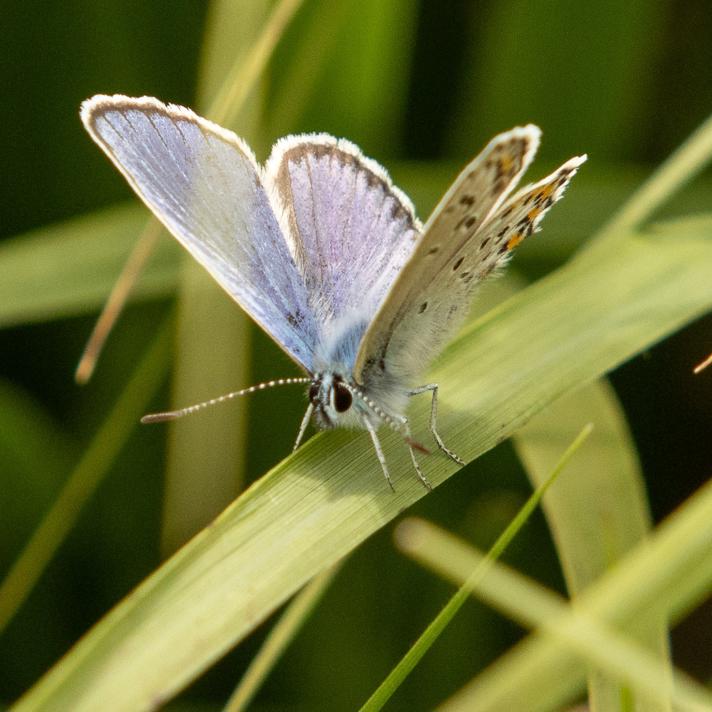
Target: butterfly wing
pixel 471 232
pixel 353 230
pixel 204 184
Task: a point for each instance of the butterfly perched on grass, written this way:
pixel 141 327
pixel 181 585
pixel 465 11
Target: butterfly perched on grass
pixel 326 254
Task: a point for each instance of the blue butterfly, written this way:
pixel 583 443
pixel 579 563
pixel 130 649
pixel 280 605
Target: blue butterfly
pixel 326 254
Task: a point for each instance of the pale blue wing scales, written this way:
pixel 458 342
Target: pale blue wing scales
pixel 203 183
pixel 353 231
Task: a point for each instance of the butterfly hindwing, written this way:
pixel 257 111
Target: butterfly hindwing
pixel 432 296
pixel 479 189
pixel 353 230
pixel 204 184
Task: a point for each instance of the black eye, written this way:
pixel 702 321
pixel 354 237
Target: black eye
pixel 313 392
pixel 342 398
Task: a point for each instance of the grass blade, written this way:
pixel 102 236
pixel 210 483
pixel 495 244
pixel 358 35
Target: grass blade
pixel 241 80
pixel 597 517
pixel 119 295
pixel 406 665
pixel 279 638
pixel 680 168
pixel 64 270
pixel 580 627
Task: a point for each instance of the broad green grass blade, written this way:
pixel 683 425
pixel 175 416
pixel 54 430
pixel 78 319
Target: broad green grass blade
pixel 597 515
pixel 585 629
pixel 84 479
pixel 421 646
pixel 281 635
pixel 67 268
pixel 317 505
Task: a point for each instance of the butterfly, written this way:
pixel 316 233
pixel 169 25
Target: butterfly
pixel 326 254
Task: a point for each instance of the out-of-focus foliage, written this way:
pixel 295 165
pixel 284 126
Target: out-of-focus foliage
pixel 420 86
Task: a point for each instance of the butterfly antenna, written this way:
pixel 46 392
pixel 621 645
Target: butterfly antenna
pixel 174 414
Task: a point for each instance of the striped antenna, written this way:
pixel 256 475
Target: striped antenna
pixel 174 414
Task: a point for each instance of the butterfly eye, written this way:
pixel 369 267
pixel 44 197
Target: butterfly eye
pixel 342 398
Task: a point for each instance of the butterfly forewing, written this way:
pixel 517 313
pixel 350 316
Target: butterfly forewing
pixel 354 230
pixel 204 185
pixel 428 300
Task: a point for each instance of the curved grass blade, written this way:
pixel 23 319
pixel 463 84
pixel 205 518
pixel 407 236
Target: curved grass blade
pixel 421 646
pixel 584 629
pixel 596 518
pixel 703 365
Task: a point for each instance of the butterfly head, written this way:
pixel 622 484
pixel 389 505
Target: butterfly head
pixel 333 399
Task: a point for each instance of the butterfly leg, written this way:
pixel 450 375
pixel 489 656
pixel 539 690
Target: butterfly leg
pixel 303 426
pixel 408 441
pixel 433 387
pixel 379 452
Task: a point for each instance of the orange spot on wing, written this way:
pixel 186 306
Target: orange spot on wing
pixel 514 240
pixel 532 214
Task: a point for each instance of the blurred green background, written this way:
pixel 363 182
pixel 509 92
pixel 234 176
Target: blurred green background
pixel 420 86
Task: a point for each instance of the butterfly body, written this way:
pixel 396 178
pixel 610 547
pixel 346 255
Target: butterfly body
pixel 325 253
